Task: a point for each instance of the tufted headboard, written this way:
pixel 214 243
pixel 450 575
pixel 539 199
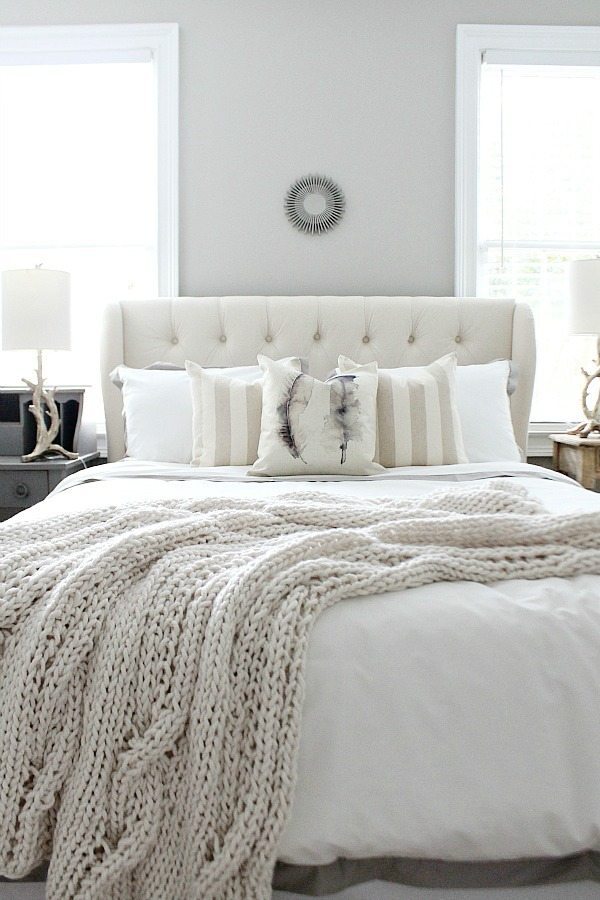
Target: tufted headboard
pixel 395 331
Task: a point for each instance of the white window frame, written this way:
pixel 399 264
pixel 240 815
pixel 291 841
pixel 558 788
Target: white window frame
pixel 92 43
pixel 567 44
pixel 555 43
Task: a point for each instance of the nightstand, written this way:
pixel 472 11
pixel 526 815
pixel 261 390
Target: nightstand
pixel 23 484
pixel 577 457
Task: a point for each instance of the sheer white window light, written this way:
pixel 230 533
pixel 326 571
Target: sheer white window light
pixel 539 206
pixel 527 145
pixel 81 175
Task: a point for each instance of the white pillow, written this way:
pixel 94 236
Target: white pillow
pixel 483 408
pixel 227 408
pixel 312 427
pixel 157 410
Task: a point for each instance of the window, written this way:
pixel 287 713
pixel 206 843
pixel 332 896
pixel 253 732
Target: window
pixel 528 184
pixel 88 143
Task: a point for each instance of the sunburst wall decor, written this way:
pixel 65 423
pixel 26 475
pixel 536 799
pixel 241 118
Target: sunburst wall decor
pixel 314 204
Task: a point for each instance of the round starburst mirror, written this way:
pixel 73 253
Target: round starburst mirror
pixel 314 204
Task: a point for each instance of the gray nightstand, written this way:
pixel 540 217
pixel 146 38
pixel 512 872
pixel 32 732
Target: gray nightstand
pixel 23 484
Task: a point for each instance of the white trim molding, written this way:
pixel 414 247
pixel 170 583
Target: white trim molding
pixel 539 443
pixel 122 43
pixel 568 44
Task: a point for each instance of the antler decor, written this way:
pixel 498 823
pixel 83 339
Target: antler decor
pixel 43 404
pixel 592 416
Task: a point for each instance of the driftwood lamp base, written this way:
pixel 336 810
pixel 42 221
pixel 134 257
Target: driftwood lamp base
pixel 585 429
pixel 591 424
pixel 42 405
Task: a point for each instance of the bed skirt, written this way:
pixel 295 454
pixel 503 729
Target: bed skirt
pixel 318 881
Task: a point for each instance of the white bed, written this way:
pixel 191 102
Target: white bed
pixel 454 722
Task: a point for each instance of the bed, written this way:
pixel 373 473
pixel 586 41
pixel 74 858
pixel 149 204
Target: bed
pixel 449 734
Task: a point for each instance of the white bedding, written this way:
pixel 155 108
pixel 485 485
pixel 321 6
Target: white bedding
pixel 456 721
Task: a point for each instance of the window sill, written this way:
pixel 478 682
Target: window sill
pixel 539 443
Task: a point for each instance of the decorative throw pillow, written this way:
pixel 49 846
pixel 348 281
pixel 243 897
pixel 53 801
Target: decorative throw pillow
pixel 312 427
pixel 226 414
pixel 482 397
pixel 417 415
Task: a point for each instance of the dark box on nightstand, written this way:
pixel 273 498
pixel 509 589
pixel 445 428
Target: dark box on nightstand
pixel 18 428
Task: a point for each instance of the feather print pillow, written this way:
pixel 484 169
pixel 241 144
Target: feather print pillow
pixel 312 427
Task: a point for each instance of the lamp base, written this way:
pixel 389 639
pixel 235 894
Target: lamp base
pixel 591 423
pixel 51 448
pixel 586 429
pixel 44 397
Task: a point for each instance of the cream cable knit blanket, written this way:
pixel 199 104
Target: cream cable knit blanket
pixel 151 668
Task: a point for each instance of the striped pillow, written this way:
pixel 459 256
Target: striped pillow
pixel 417 415
pixel 226 413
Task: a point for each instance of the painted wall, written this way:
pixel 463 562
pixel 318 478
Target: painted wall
pixel 361 90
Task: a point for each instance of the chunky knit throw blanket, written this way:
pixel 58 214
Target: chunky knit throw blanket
pixel 151 668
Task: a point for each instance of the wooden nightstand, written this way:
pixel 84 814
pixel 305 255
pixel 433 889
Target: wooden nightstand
pixel 577 457
pixel 23 484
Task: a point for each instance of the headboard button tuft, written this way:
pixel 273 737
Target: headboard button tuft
pixel 458 339
pixel 366 339
pixel 411 339
pixel 174 340
pixel 316 336
pixel 223 339
pixel 268 339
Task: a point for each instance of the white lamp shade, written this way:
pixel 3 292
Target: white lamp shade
pixel 36 310
pixel 584 284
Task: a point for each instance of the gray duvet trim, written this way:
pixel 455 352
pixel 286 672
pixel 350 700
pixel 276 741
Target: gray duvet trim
pixel 318 881
pixel 37 874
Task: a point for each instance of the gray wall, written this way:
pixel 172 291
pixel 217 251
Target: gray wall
pixel 361 90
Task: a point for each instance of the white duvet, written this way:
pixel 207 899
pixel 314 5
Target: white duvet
pixel 455 721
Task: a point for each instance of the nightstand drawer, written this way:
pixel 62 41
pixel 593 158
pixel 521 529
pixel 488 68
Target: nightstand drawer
pixel 22 488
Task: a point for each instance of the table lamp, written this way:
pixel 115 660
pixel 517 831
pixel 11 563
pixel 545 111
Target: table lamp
pixel 584 290
pixel 36 315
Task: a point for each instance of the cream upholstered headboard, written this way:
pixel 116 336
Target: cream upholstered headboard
pixel 395 331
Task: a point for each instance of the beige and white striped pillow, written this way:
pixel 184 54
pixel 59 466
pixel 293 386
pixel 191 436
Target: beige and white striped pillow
pixel 417 414
pixel 226 414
